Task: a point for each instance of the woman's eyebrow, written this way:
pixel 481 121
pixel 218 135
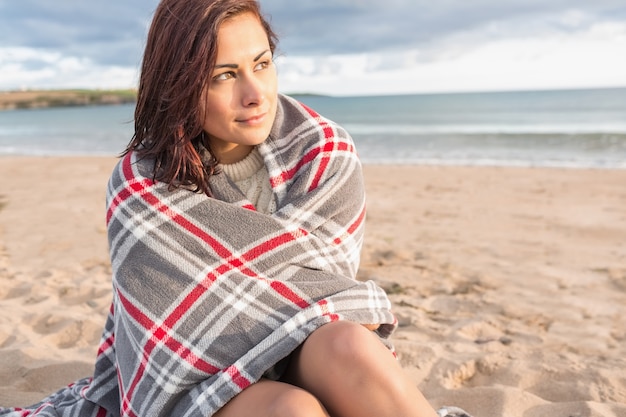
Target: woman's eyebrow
pixel 259 56
pixel 235 66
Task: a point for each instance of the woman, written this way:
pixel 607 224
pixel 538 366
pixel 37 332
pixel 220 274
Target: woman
pixel 235 223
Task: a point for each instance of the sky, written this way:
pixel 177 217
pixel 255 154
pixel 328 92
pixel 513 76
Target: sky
pixel 340 47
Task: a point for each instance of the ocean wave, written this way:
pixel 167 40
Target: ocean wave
pixel 475 129
pixel 496 162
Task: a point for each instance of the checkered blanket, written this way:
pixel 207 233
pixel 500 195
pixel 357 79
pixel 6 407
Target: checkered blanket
pixel 209 294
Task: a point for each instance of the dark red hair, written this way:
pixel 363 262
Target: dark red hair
pixel 178 61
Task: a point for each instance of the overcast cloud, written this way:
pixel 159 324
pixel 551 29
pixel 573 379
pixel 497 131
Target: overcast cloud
pixel 340 46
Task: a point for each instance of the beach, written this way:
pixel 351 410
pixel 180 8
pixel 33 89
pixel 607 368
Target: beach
pixel 509 284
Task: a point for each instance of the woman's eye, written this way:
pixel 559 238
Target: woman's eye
pixel 224 76
pixel 262 65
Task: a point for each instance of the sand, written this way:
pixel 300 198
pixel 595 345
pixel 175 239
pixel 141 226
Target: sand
pixel 509 283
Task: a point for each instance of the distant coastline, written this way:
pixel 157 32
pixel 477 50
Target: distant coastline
pixel 36 99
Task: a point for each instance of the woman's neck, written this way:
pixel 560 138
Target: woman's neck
pixel 233 154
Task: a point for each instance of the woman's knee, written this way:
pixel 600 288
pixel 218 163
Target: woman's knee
pixel 296 403
pixel 347 343
pixel 273 399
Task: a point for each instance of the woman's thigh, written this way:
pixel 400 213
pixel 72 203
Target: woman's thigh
pixel 335 352
pixel 352 373
pixel 273 398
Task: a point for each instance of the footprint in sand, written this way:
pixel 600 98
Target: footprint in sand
pixel 13 290
pixel 458 375
pixel 482 332
pixel 81 295
pixel 64 332
pixel 617 277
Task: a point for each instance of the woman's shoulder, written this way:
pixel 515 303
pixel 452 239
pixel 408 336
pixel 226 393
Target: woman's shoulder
pixel 304 143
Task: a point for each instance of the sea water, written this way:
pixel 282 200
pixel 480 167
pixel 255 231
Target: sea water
pixel 574 128
pixel 91 130
pixel 578 128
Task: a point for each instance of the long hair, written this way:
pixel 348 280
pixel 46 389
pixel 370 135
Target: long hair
pixel 178 61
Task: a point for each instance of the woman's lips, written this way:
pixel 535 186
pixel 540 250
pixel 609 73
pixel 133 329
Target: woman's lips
pixel 253 120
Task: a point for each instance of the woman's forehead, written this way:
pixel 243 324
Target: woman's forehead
pixel 241 37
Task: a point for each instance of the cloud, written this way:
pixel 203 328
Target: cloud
pixel 338 46
pixel 23 68
pixel 110 32
pixel 355 26
pixel 588 58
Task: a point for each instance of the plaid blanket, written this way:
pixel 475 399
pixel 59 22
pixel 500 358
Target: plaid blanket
pixel 209 293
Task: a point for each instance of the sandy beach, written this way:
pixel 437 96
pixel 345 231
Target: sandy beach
pixel 509 284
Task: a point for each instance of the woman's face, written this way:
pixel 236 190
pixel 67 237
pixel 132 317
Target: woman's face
pixel 240 102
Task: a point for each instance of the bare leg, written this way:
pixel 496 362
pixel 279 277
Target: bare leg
pixel 353 374
pixel 273 399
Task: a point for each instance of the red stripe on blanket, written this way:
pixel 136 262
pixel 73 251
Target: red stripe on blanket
pixel 353 227
pixel 308 158
pixel 161 334
pixel 287 293
pixel 107 343
pixel 141 187
pixel 102 412
pixel 328 147
pixel 40 408
pixel 326 312
pixel 287 175
pixel 231 261
pixel 23 413
pixel 125 409
pixel 241 381
pixel 270 245
pixel 133 185
pixel 328 131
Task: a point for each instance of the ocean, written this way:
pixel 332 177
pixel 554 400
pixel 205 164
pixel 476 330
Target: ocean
pixel 567 128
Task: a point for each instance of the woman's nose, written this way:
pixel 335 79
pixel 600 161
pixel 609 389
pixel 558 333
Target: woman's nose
pixel 253 92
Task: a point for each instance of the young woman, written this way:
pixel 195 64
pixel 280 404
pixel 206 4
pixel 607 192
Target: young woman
pixel 235 224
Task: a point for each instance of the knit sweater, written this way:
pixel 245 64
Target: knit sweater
pixel 251 177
